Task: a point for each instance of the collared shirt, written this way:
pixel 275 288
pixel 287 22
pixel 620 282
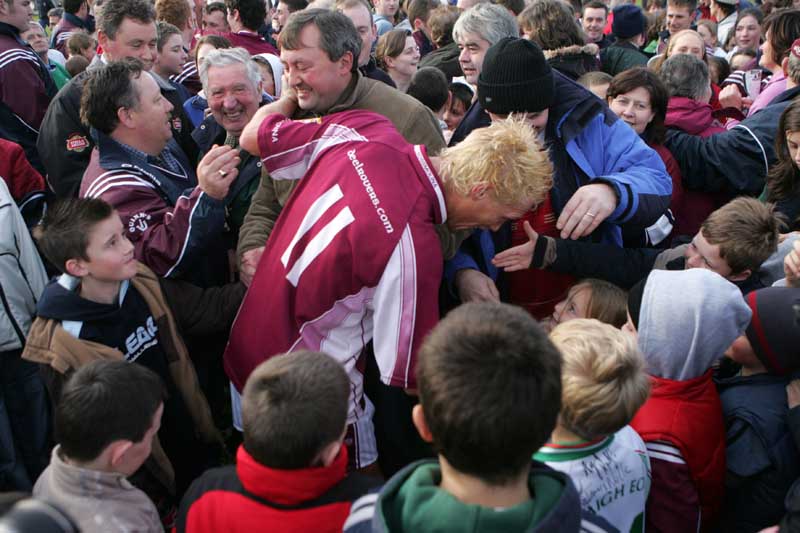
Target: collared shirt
pixel 165 158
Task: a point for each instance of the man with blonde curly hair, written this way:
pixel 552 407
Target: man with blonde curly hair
pixel 355 255
pixel 603 385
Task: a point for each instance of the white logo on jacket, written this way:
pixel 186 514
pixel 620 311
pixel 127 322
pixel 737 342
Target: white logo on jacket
pixel 140 340
pixel 138 222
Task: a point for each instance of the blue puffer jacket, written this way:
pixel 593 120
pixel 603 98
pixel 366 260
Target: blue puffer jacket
pixel 587 144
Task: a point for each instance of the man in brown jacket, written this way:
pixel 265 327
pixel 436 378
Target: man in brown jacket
pixel 320 49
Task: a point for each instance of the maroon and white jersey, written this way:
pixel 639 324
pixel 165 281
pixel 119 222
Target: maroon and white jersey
pixel 354 255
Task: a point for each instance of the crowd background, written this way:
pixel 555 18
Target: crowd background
pixel 511 265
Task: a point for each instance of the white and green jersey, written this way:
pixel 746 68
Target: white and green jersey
pixel 612 475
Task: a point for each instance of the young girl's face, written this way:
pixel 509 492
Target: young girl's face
pixel 267 81
pixel 387 8
pixel 748 33
pixel 739 61
pixel 793 144
pixel 709 38
pixel 575 305
pixel 454 114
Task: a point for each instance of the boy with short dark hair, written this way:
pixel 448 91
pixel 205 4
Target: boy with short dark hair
pixel 761 455
pixel 171 57
pixel 429 86
pixel 107 305
pixel 105 425
pixel 291 468
pixel 490 391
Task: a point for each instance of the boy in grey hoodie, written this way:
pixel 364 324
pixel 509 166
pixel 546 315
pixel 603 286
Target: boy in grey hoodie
pixel 490 391
pixel 685 321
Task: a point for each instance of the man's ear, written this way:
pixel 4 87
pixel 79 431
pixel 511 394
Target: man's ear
pixel 479 192
pixel 346 63
pixel 102 38
pixel 235 15
pixel 785 66
pixel 124 117
pixel 76 268
pixel 741 276
pixel 117 451
pixel 329 453
pixel 418 417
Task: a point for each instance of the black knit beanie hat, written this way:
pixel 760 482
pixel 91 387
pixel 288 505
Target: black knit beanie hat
pixel 629 21
pixel 774 330
pixel 635 296
pixel 515 78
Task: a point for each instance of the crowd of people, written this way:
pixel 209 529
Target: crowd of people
pixel 399 266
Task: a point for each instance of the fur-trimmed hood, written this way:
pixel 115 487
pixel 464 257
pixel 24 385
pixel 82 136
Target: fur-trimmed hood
pixel 575 49
pixel 574 61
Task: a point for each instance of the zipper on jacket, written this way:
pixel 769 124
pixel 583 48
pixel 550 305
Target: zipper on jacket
pixel 11 319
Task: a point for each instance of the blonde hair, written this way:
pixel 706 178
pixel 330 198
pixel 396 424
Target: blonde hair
pixel 507 156
pixel 658 61
pixel 603 381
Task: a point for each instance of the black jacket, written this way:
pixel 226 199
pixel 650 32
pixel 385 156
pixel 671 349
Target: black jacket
pixel 474 119
pixel 573 61
pixel 371 71
pixel 206 135
pixel 445 59
pixel 761 457
pixel 66 145
pixel 27 90
pixel 623 267
pixel 736 160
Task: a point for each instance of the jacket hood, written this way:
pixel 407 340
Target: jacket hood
pixel 61 301
pixel 573 61
pixel 277 71
pixel 573 101
pixel 691 116
pixel 413 501
pixel 687 320
pixel 590 49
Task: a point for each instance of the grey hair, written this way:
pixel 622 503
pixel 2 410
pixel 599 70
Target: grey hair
pixel 685 75
pixel 491 21
pixel 794 68
pixel 223 57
